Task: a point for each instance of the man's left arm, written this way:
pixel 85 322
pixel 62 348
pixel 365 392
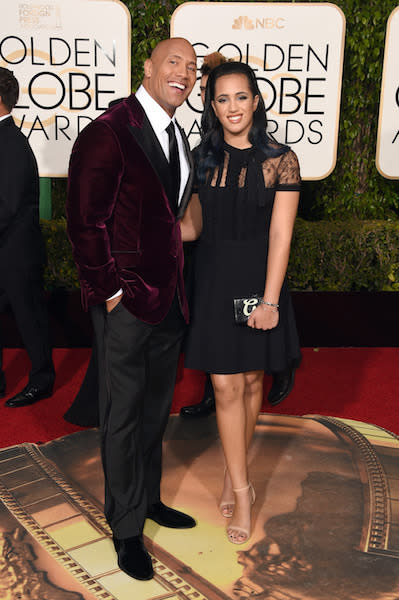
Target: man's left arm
pixel 94 175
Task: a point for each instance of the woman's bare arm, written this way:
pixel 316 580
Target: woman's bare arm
pixel 191 223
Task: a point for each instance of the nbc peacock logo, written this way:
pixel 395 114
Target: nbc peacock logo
pixel 243 23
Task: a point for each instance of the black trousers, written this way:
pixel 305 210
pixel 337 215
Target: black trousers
pixel 84 408
pixel 23 289
pixel 137 371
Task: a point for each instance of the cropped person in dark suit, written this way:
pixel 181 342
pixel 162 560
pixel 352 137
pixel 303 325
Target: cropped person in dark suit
pixel 129 184
pixel 22 252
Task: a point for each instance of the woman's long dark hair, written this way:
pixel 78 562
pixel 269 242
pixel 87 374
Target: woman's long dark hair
pixel 210 151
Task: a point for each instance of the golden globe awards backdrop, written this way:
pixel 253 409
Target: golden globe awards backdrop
pixel 388 125
pixel 297 53
pixel 71 58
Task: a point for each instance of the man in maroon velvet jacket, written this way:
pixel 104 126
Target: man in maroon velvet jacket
pixel 127 189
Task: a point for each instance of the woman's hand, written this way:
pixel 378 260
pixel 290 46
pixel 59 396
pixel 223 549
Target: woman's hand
pixel 263 317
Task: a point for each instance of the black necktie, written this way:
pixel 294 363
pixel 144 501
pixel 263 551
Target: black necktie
pixel 174 164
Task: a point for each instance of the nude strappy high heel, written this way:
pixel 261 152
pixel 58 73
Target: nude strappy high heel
pixel 235 528
pixel 226 508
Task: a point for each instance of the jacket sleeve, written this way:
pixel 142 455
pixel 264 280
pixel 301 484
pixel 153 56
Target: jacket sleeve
pixel 95 171
pixel 19 181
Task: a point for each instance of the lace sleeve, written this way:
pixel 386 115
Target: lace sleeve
pixel 288 172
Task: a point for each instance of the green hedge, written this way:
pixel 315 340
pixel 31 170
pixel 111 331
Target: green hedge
pixel 60 271
pixel 345 256
pixel 325 256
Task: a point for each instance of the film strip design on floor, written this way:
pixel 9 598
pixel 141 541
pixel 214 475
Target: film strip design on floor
pixel 75 533
pixel 375 453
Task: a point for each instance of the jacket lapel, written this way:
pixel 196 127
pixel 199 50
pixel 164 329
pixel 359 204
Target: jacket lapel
pixel 148 141
pixel 145 136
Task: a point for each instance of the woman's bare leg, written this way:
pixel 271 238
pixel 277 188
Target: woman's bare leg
pixel 253 397
pixel 231 417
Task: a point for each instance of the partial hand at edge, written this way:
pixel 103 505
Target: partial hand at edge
pixel 110 304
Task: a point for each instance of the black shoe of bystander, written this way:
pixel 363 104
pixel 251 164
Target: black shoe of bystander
pixel 29 395
pixel 282 385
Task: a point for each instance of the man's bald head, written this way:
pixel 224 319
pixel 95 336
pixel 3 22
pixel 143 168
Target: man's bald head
pixel 170 73
pixel 164 46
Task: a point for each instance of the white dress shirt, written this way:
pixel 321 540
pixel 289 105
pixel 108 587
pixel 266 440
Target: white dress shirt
pixel 5 116
pixel 160 120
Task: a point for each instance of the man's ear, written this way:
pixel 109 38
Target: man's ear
pixel 148 67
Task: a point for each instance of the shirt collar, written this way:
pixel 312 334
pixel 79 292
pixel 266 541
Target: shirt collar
pixel 5 116
pixel 156 115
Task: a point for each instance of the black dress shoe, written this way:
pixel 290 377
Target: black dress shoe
pixel 133 558
pixel 203 409
pixel 169 517
pixel 29 395
pixel 282 385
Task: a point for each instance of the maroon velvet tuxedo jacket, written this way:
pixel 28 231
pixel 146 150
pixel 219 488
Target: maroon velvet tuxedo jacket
pixel 122 229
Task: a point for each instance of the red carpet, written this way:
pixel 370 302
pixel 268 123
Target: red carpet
pixel 358 383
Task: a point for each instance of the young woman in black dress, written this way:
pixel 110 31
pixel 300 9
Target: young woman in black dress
pixel 244 211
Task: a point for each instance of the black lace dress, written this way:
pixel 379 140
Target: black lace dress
pixel 230 262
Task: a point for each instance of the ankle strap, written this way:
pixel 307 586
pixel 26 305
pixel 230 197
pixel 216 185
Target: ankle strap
pixel 242 489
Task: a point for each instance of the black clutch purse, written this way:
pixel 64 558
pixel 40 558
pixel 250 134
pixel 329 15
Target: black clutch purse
pixel 244 306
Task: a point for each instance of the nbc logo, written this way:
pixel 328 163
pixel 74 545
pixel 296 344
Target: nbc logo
pixel 243 22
